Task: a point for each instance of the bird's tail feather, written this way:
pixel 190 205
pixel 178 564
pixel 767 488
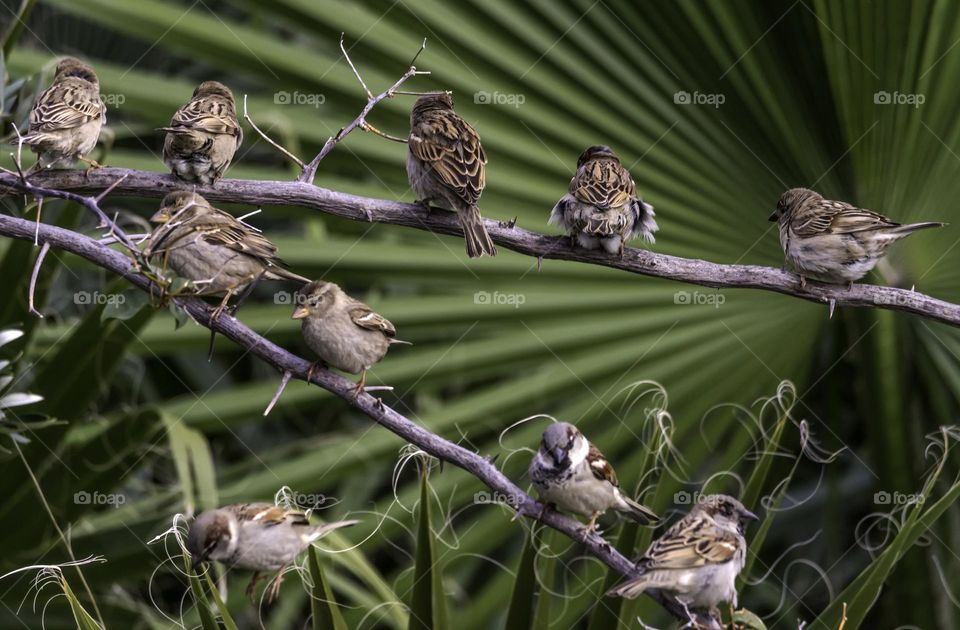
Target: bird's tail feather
pixel 913 227
pixel 474 232
pixel 285 274
pixel 630 589
pixel 637 512
pixel 322 530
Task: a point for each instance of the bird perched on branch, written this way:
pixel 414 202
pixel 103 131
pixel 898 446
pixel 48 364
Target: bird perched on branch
pixel 446 165
pixel 834 241
pixel 601 207
pixel 220 254
pixel 344 332
pixel 697 560
pixel 66 120
pixel 572 474
pixel 254 536
pixel 203 135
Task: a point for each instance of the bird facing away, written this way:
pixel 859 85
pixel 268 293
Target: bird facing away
pixel 203 135
pixel 342 331
pixel 220 254
pixel 601 207
pixel 834 241
pixel 66 120
pixel 447 166
pixel 572 474
pixel 254 536
pixel 697 560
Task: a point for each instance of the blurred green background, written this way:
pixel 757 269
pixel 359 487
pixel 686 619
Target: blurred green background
pixel 715 106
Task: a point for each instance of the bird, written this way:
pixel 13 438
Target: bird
pixel 697 560
pixel 66 120
pixel 343 332
pixel 834 241
pixel 572 474
pixel 601 208
pixel 446 165
pixel 254 536
pixel 220 254
pixel 203 135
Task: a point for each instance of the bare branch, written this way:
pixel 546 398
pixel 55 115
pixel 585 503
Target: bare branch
pixel 300 368
pixel 263 135
pixel 539 246
pixel 33 278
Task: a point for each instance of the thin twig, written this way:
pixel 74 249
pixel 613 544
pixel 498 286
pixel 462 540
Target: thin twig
pixel 439 447
pixel 33 278
pixel 638 261
pixel 276 396
pixel 263 135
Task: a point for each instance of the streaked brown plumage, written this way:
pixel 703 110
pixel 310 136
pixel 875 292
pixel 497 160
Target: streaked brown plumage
pixel 834 241
pixel 218 253
pixel 601 207
pixel 203 135
pixel 446 165
pixel 66 120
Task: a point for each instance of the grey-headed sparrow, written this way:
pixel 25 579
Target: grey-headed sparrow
pixel 254 536
pixel 66 120
pixel 601 207
pixel 203 135
pixel 697 560
pixel 572 474
pixel 220 254
pixel 834 241
pixel 446 165
pixel 344 332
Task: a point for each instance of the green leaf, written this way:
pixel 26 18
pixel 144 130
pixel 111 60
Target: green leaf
pixel 323 607
pixel 520 612
pixel 427 599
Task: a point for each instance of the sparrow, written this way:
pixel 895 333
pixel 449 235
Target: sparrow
pixel 66 120
pixel 203 135
pixel 447 166
pixel 601 207
pixel 219 253
pixel 344 332
pixel 571 473
pixel 834 241
pixel 697 560
pixel 254 536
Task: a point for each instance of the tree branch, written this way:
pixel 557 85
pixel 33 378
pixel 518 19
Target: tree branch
pixel 299 368
pixel 638 261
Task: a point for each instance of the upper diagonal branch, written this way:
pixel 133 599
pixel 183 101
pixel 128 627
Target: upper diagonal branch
pixel 639 261
pixel 231 328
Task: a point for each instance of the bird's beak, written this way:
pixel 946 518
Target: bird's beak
pixel 750 516
pixel 558 455
pixel 300 313
pixel 161 216
pixel 773 217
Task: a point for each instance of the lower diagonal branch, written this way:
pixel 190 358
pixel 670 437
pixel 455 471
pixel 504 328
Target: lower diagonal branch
pixel 299 368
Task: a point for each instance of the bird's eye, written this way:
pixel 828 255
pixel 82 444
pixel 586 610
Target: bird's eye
pixel 726 510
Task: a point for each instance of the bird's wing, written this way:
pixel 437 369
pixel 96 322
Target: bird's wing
pixel 209 114
pixel 838 217
pixel 267 514
pixel 600 467
pixel 691 543
pixel 221 228
pixel 364 317
pixel 604 183
pixel 452 148
pixel 65 105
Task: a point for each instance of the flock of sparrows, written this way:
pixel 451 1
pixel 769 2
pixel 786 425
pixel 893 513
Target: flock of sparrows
pixel 696 561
